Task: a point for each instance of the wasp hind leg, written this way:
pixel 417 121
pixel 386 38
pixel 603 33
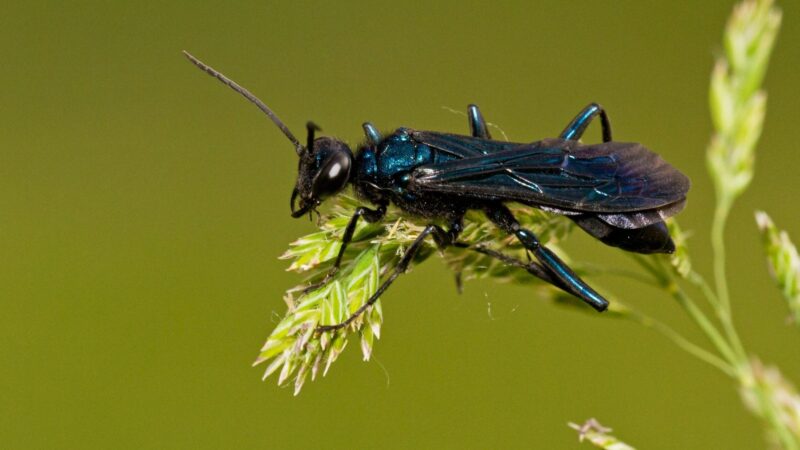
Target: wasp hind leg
pixel 477 125
pixel 575 129
pixel 567 280
pixel 532 267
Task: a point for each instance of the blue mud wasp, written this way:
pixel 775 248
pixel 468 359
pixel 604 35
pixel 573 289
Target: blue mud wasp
pixel 619 193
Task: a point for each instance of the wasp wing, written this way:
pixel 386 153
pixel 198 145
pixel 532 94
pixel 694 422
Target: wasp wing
pixel 460 147
pixel 625 184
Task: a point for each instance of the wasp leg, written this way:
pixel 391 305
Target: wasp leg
pixel 531 267
pixel 569 281
pixel 476 123
pixel 373 135
pixel 441 237
pixel 575 129
pixel 370 215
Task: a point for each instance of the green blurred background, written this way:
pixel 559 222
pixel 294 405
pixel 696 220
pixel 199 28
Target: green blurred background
pixel 143 205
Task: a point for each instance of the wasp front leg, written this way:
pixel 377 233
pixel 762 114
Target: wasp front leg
pixel 373 135
pixel 442 238
pixel 370 215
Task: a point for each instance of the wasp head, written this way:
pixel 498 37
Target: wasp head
pixel 325 163
pixel 323 171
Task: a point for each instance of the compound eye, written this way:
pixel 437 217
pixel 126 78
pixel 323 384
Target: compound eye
pixel 332 175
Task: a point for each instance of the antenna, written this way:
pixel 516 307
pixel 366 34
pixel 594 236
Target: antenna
pixel 263 107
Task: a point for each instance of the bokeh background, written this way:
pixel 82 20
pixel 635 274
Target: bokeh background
pixel 143 205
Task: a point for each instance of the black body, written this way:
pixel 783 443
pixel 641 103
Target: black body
pixel 618 192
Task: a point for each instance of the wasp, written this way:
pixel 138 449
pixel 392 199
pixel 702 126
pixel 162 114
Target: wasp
pixel 618 192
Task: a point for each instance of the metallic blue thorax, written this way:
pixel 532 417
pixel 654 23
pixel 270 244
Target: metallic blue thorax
pixel 394 156
pixel 383 168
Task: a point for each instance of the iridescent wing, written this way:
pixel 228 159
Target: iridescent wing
pixel 624 184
